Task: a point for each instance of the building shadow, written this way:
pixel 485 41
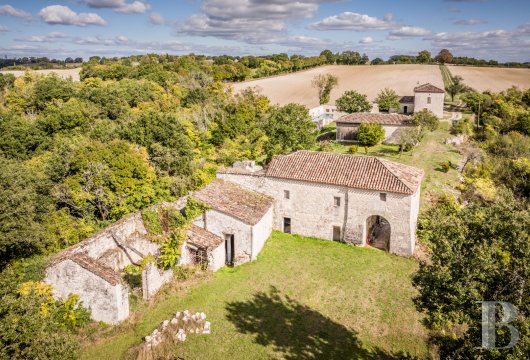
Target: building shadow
pixel 297 331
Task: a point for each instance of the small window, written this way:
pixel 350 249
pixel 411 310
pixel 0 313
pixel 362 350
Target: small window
pixel 382 196
pixel 336 201
pixel 429 100
pixel 287 225
pixel 286 194
pixel 336 233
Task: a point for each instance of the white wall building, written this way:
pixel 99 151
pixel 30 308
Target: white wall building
pixel 354 199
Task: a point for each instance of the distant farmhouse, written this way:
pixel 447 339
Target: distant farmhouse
pixel 426 96
pixel 357 200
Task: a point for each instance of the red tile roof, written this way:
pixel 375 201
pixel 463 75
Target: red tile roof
pixel 362 172
pixel 375 118
pixel 406 100
pixel 428 88
pixel 231 199
pixel 203 238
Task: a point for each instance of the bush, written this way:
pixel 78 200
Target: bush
pixel 353 149
pixel 370 134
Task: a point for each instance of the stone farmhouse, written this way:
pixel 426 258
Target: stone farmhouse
pixel 426 96
pixel 353 199
pixel 358 200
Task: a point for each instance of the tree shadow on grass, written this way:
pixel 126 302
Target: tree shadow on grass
pixel 297 331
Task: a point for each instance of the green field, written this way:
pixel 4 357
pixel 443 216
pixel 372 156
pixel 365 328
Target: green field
pixel 302 299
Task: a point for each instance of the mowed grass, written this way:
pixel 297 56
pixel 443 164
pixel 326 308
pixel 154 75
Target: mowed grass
pixel 428 155
pixel 303 298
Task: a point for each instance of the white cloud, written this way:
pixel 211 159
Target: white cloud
pixel 63 15
pixel 98 40
pixel 354 21
pixel 3 29
pixel 120 6
pixel 157 19
pixel 11 11
pixel 50 37
pixel 407 31
pixel 251 21
pixel 486 44
pixel 366 40
pixel 469 22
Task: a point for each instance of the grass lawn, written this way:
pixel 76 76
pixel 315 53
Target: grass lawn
pixel 428 155
pixel 302 299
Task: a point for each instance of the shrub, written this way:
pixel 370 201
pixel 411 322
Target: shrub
pixel 353 149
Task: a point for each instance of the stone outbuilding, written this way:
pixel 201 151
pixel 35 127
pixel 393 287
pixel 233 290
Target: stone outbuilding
pixel 358 200
pixel 239 218
pixel 348 125
pixel 426 96
pixel 91 269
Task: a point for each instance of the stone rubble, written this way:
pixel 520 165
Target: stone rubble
pixel 184 323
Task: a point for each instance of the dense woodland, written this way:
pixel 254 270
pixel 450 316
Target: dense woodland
pixel 140 130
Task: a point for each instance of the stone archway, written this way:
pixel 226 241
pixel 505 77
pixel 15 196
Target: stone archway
pixel 378 232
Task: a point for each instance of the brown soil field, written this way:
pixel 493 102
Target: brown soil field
pixel 366 79
pixel 64 73
pixel 494 79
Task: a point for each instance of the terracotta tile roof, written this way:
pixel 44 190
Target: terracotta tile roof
pixel 375 118
pixel 362 172
pixel 231 199
pixel 95 267
pixel 406 100
pixel 428 88
pixel 203 238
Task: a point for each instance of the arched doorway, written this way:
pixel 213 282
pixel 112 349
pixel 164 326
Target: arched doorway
pixel 378 232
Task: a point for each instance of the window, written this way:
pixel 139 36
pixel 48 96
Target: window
pixel 336 233
pixel 336 201
pixel 428 100
pixel 382 196
pixel 286 194
pixel 287 225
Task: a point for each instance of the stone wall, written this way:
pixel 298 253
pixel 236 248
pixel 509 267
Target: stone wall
pixel 217 258
pixel 436 105
pixel 312 210
pixel 261 232
pixel 221 224
pixel 153 279
pixel 107 302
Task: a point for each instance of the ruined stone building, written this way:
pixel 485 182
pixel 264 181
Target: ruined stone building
pixel 354 199
pixel 358 200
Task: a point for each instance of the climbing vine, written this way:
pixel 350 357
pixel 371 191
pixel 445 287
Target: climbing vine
pixel 167 225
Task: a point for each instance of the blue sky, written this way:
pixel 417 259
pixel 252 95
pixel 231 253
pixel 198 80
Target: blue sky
pixel 488 29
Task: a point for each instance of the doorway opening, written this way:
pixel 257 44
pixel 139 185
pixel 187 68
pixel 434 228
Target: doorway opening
pixel 405 109
pixel 378 232
pixel 229 249
pixel 287 225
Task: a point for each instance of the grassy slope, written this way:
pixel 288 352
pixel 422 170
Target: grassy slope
pixel 427 155
pixel 303 296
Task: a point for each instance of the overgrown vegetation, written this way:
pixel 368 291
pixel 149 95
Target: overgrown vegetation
pixel 480 244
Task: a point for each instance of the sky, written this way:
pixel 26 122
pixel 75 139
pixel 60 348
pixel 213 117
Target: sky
pixel 487 29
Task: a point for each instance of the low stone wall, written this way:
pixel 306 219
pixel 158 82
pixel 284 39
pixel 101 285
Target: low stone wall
pixel 153 279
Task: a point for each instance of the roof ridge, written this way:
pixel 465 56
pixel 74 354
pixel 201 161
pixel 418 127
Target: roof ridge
pixel 383 162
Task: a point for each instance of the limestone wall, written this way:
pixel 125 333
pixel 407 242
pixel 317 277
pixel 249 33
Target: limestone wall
pixel 221 224
pixel 436 105
pixel 153 279
pixel 261 232
pixel 108 303
pixel 217 258
pixel 312 210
